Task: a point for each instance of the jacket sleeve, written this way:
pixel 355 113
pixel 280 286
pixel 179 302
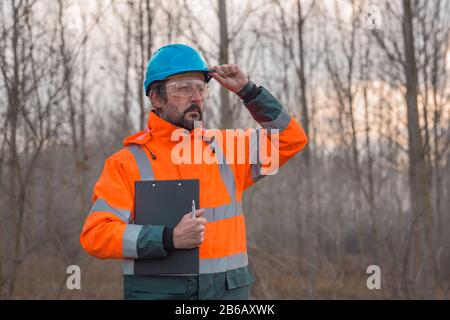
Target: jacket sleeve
pixel 271 146
pixel 107 232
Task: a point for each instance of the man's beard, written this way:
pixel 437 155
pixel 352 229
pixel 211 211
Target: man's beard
pixel 180 120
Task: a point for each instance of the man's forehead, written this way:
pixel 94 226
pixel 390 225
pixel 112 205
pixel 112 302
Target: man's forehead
pixel 188 76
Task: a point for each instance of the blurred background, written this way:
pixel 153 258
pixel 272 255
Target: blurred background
pixel 369 81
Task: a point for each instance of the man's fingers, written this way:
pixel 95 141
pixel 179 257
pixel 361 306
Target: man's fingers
pixel 231 70
pixel 234 69
pixel 227 70
pixel 219 70
pixel 222 73
pixel 216 76
pixel 199 213
pixel 230 76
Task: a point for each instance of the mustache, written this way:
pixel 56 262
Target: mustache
pixel 193 107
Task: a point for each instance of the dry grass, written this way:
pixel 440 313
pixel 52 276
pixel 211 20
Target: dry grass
pixel 43 276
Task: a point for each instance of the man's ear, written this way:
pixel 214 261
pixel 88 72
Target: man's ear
pixel 156 102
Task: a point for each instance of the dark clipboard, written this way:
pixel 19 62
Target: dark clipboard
pixel 164 202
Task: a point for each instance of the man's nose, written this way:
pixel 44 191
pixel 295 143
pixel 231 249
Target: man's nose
pixel 197 96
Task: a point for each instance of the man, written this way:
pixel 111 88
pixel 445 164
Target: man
pixel 177 84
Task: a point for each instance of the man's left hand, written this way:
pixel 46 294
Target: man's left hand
pixel 230 76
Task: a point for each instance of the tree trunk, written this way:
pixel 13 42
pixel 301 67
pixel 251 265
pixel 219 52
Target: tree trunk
pixel 13 113
pixel 226 111
pixel 309 182
pixel 418 176
pixel 126 83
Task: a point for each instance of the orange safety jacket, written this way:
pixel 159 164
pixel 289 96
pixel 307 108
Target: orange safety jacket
pixel 109 231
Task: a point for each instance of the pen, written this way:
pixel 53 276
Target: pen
pixel 193 209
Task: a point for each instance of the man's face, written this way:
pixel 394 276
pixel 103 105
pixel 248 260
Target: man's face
pixel 181 107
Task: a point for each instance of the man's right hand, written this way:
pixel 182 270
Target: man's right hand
pixel 189 233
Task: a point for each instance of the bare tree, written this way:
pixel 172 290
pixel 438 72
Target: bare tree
pixel 420 270
pixel 28 123
pixel 418 174
pixel 144 40
pixel 226 112
pixel 297 58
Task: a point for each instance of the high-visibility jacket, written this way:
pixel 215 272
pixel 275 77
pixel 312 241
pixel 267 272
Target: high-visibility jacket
pixel 109 231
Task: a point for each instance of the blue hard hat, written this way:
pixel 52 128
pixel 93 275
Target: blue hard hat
pixel 174 59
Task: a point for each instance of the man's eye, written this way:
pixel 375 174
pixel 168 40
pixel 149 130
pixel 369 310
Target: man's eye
pixel 201 88
pixel 184 89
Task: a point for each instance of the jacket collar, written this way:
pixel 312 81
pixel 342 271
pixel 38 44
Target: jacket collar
pixel 163 129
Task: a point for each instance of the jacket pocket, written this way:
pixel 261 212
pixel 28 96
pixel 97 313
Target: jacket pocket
pixel 237 278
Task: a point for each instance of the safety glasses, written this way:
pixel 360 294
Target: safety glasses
pixel 186 88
